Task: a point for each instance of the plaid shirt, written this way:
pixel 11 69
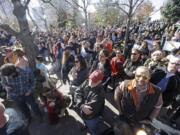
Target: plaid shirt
pixel 23 83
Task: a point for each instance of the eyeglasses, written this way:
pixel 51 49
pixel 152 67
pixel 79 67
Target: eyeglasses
pixel 144 77
pixel 76 61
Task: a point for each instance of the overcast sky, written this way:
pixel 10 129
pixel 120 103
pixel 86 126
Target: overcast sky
pixel 156 3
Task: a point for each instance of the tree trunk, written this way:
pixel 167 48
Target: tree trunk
pixel 126 35
pixel 24 34
pixel 86 20
pixel 30 49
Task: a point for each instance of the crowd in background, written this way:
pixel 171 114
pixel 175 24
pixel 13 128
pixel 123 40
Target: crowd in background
pixel 94 64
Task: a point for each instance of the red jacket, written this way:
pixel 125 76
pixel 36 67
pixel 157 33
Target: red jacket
pixel 117 64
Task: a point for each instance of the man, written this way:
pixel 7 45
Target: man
pixel 169 81
pixel 131 64
pixel 11 122
pixel 155 61
pixel 90 98
pixel 20 85
pixel 138 99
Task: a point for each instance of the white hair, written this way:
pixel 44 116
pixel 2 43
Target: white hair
pixel 145 69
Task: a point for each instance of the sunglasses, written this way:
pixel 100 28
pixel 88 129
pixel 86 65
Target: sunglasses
pixel 76 61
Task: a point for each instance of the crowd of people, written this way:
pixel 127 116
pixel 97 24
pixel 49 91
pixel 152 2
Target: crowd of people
pixel 144 79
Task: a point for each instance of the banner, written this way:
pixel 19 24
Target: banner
pixel 170 45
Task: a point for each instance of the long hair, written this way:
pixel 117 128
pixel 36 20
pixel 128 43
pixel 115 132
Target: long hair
pixel 82 61
pixel 65 57
pixel 19 53
pixel 106 54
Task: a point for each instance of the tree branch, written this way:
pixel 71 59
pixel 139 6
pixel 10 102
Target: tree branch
pixel 27 3
pixel 8 29
pixel 71 4
pixel 136 7
pixel 123 4
pixel 46 1
pixel 88 3
pixel 51 4
pixel 34 22
pixel 119 6
pixel 74 3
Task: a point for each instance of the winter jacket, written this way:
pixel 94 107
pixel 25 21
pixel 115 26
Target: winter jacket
pixel 129 101
pixel 172 88
pixel 93 97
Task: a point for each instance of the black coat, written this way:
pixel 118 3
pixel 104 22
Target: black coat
pixel 67 67
pixel 129 68
pixel 173 86
pixel 93 97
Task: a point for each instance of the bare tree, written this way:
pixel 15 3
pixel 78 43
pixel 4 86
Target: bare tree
pixel 60 11
pixel 107 13
pixel 33 21
pixel 3 9
pixel 24 33
pixel 84 6
pixel 129 7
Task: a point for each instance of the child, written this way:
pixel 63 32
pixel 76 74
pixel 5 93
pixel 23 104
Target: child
pixel 56 104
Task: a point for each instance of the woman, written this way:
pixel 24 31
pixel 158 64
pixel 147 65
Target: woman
pixel 104 65
pixel 67 64
pixel 79 72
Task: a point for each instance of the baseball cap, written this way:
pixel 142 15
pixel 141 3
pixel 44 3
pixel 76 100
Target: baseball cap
pixel 96 76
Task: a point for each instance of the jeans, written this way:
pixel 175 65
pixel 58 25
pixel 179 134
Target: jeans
pixel 23 102
pixel 93 125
